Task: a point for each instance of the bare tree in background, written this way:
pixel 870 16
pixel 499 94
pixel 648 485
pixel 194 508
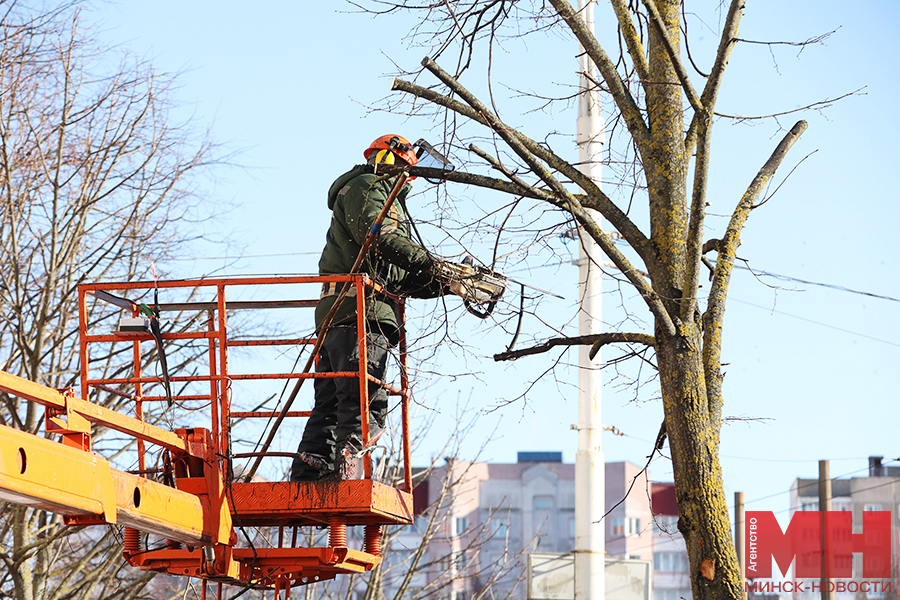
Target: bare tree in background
pixel 437 556
pixel 444 552
pixel 663 124
pixel 96 181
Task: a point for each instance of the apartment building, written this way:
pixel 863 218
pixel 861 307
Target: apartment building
pixel 481 520
pixel 878 490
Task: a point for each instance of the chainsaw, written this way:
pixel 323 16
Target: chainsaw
pixel 476 285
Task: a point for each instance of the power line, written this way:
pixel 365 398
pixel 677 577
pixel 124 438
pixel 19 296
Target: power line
pixel 785 278
pixel 866 468
pixel 739 266
pixel 757 272
pixel 890 343
pixel 789 460
pixel 833 286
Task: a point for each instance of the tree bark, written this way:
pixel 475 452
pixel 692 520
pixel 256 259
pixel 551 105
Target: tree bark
pixel 694 441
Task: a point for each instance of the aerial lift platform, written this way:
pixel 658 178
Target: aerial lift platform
pixel 192 501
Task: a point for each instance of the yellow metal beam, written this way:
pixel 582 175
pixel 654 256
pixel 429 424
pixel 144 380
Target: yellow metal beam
pixel 51 476
pixel 69 404
pixel 48 475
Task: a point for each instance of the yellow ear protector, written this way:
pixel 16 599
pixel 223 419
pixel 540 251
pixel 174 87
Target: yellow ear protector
pixel 384 157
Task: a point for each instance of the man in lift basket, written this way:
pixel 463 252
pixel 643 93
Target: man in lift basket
pixel 331 446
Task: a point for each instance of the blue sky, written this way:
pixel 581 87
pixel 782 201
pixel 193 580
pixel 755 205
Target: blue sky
pixel 290 85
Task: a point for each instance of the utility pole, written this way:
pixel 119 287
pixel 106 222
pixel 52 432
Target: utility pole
pixel 825 506
pixel 739 530
pixel 590 467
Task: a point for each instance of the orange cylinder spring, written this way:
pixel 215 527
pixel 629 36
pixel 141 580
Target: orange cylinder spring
pixel 373 540
pixel 337 535
pixel 131 542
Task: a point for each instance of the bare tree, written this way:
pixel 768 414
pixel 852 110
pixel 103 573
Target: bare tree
pixel 663 126
pixel 96 181
pixel 447 549
pixel 441 553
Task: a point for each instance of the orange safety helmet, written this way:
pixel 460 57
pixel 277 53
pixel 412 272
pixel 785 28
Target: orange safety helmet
pixel 399 145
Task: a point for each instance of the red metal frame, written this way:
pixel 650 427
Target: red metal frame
pixel 203 508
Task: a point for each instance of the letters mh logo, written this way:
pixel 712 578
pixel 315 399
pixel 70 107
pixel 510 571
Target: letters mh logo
pixel 804 540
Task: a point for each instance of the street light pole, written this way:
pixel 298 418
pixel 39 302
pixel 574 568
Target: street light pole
pixel 590 538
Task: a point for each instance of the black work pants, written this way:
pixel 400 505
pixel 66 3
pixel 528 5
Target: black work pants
pixel 336 416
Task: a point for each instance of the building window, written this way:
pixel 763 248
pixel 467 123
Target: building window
pixel 841 505
pixel 499 527
pixel 460 525
pixel 543 503
pixel 841 535
pixel 420 525
pixel 809 505
pixel 443 565
pixel 871 507
pixel 670 562
pixel 572 527
pixel 544 521
pixel 625 527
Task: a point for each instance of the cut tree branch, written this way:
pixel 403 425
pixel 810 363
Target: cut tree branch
pixel 727 249
pixel 594 199
pixel 574 207
pixel 497 165
pixel 596 340
pixel 491 183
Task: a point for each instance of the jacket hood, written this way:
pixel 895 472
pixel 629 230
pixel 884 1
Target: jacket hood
pixel 343 180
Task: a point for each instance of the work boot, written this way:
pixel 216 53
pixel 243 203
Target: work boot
pixel 350 462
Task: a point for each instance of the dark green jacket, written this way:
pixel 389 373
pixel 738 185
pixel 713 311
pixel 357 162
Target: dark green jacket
pixel 395 260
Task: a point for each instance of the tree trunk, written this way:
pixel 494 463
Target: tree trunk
pixel 693 431
pixel 665 162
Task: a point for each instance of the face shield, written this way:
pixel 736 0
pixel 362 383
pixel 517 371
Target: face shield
pixel 428 156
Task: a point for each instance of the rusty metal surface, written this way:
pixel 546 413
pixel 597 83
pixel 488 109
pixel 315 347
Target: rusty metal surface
pixel 264 414
pixel 262 567
pixel 362 502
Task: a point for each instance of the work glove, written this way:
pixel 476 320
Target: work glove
pixel 423 285
pixel 477 285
